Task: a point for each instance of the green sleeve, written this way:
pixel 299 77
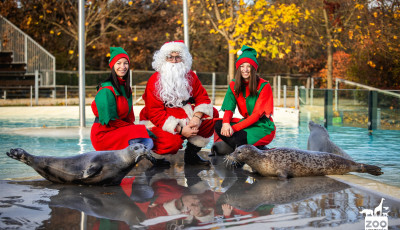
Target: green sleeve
pixel 106 106
pixel 229 101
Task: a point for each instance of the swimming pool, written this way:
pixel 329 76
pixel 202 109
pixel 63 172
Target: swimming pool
pixel 59 135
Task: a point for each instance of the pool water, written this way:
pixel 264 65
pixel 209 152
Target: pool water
pixel 39 136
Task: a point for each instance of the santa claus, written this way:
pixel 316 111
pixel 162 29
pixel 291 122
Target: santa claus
pixel 177 106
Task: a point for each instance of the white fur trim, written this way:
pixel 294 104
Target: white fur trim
pixel 239 52
pixel 199 187
pixel 171 208
pixel 207 218
pixel 188 110
pixel 204 108
pixel 199 141
pixel 171 123
pixel 174 47
pixel 147 123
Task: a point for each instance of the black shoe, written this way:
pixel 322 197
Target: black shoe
pixel 262 147
pixel 158 162
pixel 191 157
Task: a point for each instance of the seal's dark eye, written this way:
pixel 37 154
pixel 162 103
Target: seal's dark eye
pixel 136 148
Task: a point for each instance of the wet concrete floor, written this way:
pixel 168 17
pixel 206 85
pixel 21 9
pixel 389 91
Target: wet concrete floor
pixel 189 197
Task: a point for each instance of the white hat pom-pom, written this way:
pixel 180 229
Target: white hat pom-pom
pixel 239 52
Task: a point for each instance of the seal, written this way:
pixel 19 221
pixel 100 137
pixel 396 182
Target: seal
pixel 102 202
pixel 265 189
pixel 319 140
pixel 91 168
pixel 289 162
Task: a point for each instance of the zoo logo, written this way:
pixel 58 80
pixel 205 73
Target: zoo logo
pixel 376 219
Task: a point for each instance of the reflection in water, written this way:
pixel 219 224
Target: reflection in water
pixel 204 198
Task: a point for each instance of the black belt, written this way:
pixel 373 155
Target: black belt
pixel 189 101
pixel 96 120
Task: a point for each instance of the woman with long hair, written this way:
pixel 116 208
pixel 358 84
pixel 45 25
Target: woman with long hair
pixel 114 127
pixel 253 97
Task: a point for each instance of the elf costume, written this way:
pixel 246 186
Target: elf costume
pixel 257 127
pixel 114 124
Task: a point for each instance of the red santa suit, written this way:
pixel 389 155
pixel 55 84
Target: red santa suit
pixel 162 120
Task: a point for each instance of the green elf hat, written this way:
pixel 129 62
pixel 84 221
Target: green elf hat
pixel 117 53
pixel 247 54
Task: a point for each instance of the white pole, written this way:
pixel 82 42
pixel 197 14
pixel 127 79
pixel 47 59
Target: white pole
pixel 284 96
pixel 186 23
pixel 296 97
pixel 279 90
pixel 82 63
pixel 66 96
pixel 36 87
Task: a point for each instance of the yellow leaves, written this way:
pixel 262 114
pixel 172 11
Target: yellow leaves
pixel 375 14
pixel 130 3
pixel 351 34
pixel 108 55
pixel 179 22
pixel 41 17
pixel 167 35
pixel 371 24
pixel 359 6
pixel 58 34
pixel 71 52
pixel 395 37
pixel 297 42
pixel 29 21
pixel 135 39
pixel 86 23
pixel 119 35
pixel 51 32
pixel 307 14
pixel 94 47
pixel 370 63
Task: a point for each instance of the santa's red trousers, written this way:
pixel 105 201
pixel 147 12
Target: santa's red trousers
pixel 168 143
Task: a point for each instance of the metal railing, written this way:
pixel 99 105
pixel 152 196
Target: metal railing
pixel 26 50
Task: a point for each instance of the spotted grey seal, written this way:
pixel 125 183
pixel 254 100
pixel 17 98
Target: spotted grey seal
pixel 91 168
pixel 289 162
pixel 319 141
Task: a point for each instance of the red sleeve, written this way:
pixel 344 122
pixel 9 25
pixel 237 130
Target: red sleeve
pixel 156 112
pixel 227 116
pixel 263 106
pixel 118 123
pixel 200 96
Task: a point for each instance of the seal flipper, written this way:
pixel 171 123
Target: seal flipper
pixel 282 175
pixel 91 171
pixel 20 155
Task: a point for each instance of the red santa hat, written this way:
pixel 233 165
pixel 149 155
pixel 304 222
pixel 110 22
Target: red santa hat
pixel 169 47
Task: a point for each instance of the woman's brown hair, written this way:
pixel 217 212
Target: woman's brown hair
pixel 253 82
pixel 113 78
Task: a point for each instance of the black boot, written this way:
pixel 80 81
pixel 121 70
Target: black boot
pixel 158 162
pixel 191 157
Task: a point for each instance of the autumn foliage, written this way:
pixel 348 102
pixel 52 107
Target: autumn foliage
pixel 358 40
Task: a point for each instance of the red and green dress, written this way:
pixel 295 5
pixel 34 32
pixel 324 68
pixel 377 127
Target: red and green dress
pixel 113 126
pixel 256 111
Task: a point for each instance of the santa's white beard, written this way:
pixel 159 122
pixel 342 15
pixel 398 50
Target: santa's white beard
pixel 174 84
